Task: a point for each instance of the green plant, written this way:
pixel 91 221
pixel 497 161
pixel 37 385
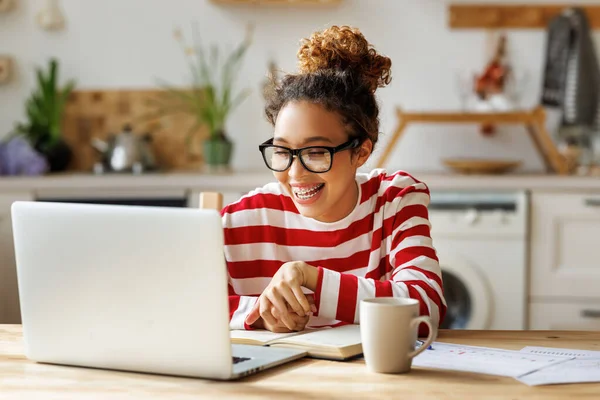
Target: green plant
pixel 210 99
pixel 44 108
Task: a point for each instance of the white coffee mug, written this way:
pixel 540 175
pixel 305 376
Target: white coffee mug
pixel 388 330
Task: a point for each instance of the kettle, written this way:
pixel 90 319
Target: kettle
pixel 125 152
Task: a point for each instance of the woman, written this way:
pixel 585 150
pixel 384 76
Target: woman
pixel 302 252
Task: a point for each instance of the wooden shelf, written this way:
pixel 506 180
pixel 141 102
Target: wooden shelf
pixel 525 16
pixel 278 2
pixel 534 121
pixel 517 117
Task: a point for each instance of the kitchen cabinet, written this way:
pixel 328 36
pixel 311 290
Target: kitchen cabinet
pixel 565 260
pixel 565 245
pixel 583 316
pixel 9 293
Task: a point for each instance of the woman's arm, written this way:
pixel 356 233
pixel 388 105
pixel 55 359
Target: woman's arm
pixel 416 271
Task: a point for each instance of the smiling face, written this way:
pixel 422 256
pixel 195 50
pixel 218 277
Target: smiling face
pixel 328 196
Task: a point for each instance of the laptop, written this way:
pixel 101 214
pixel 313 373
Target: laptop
pixel 129 288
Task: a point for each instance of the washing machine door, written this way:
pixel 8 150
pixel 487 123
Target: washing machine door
pixel 468 294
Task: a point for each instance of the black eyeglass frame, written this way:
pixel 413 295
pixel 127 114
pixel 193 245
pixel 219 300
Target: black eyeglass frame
pixel 350 144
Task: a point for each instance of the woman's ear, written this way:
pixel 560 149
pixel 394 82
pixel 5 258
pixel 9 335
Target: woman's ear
pixel 363 152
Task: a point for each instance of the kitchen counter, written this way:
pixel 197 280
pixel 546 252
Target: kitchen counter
pixel 543 182
pixel 171 180
pixel 302 379
pixel 244 181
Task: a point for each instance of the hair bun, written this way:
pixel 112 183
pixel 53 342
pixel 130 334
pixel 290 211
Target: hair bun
pixel 344 48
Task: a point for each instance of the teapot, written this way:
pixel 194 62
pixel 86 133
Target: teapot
pixel 125 152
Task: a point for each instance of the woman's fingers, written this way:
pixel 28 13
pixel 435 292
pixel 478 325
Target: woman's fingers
pixel 311 301
pixel 276 299
pixel 254 314
pixel 299 322
pixel 280 329
pixel 265 311
pixel 300 297
pixel 280 305
pixel 295 299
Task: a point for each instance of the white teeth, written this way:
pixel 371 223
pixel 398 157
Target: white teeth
pixel 305 194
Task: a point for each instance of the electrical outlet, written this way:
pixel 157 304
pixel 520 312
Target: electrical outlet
pixel 5 69
pixel 6 5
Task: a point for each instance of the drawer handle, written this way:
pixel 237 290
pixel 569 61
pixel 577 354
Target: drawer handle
pixel 590 313
pixel 592 202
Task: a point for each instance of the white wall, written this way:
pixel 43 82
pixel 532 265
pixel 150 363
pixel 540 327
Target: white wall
pixel 129 43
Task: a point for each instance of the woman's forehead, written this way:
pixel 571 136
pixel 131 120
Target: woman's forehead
pixel 303 122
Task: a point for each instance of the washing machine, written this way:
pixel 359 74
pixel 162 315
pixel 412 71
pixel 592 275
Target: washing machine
pixel 481 242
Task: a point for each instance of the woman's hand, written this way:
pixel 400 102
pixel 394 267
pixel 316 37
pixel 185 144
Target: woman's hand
pixel 279 326
pixel 284 296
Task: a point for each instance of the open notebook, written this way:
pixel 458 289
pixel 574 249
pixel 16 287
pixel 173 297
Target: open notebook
pixel 338 343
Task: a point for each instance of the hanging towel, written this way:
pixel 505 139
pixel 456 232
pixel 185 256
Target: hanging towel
pixel 571 75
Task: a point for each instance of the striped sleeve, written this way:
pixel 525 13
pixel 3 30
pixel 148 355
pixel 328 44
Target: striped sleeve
pixel 239 308
pixel 415 267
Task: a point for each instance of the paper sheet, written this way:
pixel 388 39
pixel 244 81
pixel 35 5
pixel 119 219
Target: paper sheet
pixel 551 351
pixel 584 368
pixel 483 360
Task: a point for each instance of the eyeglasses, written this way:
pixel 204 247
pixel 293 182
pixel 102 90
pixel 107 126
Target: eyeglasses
pixel 317 159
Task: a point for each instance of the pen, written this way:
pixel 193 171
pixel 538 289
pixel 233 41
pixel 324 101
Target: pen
pixel 420 342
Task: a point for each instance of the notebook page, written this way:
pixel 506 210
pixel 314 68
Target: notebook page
pixel 341 336
pixel 584 368
pixel 262 336
pixel 483 360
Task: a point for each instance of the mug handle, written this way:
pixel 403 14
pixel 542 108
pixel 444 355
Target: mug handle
pixel 426 320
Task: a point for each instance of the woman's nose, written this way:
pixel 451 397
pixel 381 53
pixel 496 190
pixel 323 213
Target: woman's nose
pixel 296 169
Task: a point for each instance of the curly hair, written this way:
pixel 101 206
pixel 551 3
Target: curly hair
pixel 341 71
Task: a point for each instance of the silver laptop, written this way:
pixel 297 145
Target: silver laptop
pixel 129 288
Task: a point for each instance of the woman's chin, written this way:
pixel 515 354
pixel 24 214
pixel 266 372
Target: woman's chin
pixel 313 210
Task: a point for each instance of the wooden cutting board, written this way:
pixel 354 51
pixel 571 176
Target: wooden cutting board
pixel 99 113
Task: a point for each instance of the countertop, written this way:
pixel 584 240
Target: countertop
pixel 248 180
pixel 21 378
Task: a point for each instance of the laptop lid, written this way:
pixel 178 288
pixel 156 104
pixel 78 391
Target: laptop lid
pixel 123 287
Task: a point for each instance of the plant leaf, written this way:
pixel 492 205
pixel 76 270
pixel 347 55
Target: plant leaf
pixel 231 68
pixel 238 99
pixel 209 99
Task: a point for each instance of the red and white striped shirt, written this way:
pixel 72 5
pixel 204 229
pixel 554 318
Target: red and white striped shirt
pixel 382 248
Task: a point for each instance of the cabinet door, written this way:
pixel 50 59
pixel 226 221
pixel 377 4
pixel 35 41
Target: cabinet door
pixel 10 312
pixel 565 316
pixel 565 245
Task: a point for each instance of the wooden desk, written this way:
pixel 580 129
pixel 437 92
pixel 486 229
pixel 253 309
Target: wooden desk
pixel 303 379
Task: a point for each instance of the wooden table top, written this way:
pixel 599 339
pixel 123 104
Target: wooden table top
pixel 302 379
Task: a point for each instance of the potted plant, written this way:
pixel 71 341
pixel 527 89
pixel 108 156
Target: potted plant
pixel 211 99
pixel 44 111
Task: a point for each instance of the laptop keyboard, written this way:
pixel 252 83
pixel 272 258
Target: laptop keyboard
pixel 237 360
